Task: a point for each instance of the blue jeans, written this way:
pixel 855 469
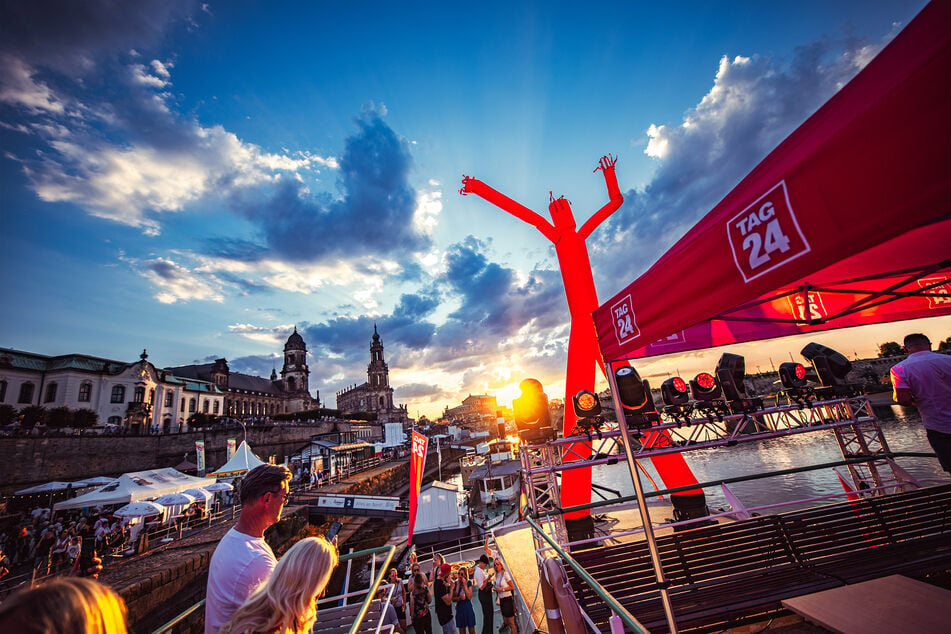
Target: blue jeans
pixel 450 627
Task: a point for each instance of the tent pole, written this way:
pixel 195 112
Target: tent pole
pixel 661 579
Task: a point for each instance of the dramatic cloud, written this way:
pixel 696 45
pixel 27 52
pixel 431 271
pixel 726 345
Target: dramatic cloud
pixel 377 212
pixel 176 283
pixel 755 102
pixel 72 37
pixel 105 128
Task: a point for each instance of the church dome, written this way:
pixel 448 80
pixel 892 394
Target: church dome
pixel 295 341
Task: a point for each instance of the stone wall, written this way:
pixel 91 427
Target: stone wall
pixel 28 461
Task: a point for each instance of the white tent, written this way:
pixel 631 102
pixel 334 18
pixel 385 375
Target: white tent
pixel 241 462
pixel 136 486
pixel 43 488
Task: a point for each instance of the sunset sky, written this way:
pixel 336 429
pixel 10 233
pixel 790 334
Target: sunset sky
pixel 197 179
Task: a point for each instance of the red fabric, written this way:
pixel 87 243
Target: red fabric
pixel 417 464
pixel 840 198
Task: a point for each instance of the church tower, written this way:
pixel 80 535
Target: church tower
pixel 295 375
pixel 378 374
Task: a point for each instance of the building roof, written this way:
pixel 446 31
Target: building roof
pixel 249 383
pixel 350 446
pixel 295 341
pixel 496 470
pixel 236 380
pixel 21 360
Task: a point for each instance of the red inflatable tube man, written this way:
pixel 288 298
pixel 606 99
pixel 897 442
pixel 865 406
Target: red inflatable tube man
pixel 583 353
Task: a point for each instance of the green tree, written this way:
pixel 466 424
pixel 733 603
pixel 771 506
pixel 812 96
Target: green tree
pixel 85 418
pixel 889 349
pixel 33 415
pixel 201 420
pixel 8 414
pixel 59 417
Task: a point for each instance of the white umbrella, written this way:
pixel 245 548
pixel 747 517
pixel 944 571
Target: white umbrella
pixel 140 509
pixel 199 494
pixel 174 499
pixel 218 486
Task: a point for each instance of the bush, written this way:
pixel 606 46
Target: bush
pixel 85 418
pixel 33 415
pixel 8 414
pixel 59 417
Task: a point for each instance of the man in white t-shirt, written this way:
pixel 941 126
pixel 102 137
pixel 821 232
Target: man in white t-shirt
pixel 924 380
pixel 243 560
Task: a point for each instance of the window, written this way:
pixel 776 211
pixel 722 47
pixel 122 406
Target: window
pixel 215 409
pixel 204 406
pixel 85 392
pixel 26 393
pixel 191 405
pixel 50 395
pixel 168 399
pixel 115 420
pixel 118 394
pixel 139 395
pixel 183 404
pixel 3 391
pixel 152 395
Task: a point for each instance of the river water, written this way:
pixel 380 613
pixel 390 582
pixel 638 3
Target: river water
pixel 902 429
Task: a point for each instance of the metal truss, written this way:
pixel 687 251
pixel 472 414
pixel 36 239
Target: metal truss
pixel 540 486
pixel 851 419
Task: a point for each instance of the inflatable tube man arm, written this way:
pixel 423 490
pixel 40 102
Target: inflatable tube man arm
pixel 503 202
pixel 606 165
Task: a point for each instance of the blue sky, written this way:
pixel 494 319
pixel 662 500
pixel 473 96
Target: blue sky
pixel 198 178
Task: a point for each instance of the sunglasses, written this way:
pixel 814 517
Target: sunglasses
pixel 286 496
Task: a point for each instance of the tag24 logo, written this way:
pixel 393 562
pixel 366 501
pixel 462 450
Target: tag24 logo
pixel 766 235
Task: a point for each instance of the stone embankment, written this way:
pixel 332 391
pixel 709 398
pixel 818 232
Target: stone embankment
pixel 28 461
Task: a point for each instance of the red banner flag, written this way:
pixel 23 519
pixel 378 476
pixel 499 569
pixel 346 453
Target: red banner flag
pixel 417 463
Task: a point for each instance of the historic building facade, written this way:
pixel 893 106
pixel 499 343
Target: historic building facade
pixel 133 396
pixel 248 395
pixel 376 395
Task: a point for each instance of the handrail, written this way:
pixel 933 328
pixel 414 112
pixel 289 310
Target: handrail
pixel 711 483
pixel 371 592
pixel 375 584
pixel 178 619
pixel 618 609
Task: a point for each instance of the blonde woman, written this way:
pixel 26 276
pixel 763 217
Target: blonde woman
pixel 438 561
pixel 287 602
pixel 64 605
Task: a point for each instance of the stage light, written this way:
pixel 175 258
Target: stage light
pixel 635 396
pixel 586 404
pixel 792 375
pixel 730 373
pixel 831 367
pixel 675 391
pixel 704 387
pixel 532 417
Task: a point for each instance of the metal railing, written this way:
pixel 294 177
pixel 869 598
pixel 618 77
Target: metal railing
pixel 618 609
pixel 370 592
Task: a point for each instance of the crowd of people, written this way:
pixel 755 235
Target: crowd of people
pixel 248 589
pixel 450 592
pixel 52 543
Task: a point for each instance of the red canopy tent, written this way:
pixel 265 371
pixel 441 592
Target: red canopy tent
pixel 847 222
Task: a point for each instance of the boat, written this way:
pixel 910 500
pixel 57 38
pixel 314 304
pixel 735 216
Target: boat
pixel 496 475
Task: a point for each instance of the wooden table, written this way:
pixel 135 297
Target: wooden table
pixel 889 604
